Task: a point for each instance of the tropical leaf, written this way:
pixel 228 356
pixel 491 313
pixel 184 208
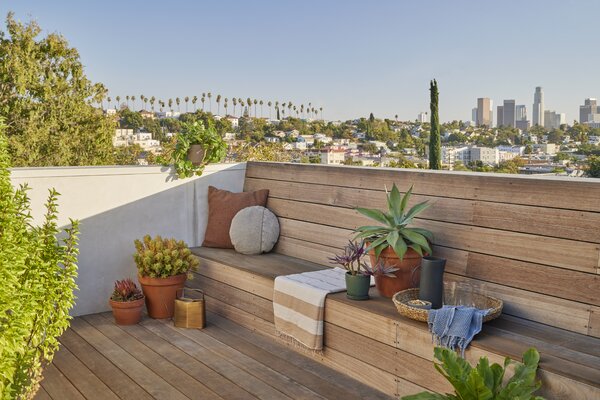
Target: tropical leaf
pixel 397 243
pixel 415 210
pixel 414 237
pixel 374 214
pixel 405 199
pixel 394 200
pixel 423 232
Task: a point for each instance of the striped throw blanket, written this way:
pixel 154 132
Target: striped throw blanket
pixel 298 304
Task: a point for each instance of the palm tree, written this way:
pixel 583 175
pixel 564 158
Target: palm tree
pixel 127 98
pixel 194 100
pixel 152 100
pixel 261 108
pixel 234 101
pixel 269 104
pixel 218 104
pixel 321 109
pixel 145 102
pixel 289 108
pixel 142 99
pixel 203 99
pixel 396 116
pixel 109 100
pixel 277 106
pixel 302 110
pixel 209 102
pixel 178 101
pixel 170 102
pixel 186 99
pixel 255 102
pixel 118 99
pixel 133 100
pixel 225 105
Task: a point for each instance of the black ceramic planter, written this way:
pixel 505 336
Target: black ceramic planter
pixel 431 287
pixel 357 286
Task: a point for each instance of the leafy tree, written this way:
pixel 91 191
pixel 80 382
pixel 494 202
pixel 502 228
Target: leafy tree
pixel 261 152
pixel 130 119
pixel 593 163
pixel 401 162
pixel 435 145
pixel 46 99
pixel 38 273
pixel 370 148
pixel 128 155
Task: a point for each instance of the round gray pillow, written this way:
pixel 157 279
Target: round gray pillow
pixel 254 230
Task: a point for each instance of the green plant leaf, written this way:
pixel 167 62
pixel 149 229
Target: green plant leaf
pixel 397 244
pixel 405 199
pixel 428 396
pixel 374 214
pixel 417 238
pixel 423 232
pixel 414 211
pixel 394 201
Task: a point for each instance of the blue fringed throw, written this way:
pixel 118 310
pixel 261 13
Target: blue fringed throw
pixel 455 326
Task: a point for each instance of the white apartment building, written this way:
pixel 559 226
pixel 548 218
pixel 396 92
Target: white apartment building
pixel 422 117
pixel 272 139
pixel 235 121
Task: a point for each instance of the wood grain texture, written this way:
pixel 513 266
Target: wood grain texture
pixel 500 188
pixel 554 222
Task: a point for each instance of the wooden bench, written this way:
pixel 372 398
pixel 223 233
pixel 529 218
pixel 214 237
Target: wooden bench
pixel 533 242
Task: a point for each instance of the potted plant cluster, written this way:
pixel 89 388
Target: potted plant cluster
pixel 195 147
pixel 127 302
pixel 358 273
pixel 394 244
pixel 163 267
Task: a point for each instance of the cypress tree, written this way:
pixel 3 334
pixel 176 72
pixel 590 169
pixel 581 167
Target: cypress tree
pixel 435 144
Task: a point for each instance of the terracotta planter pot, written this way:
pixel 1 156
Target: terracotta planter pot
pixel 407 276
pixel 160 294
pixel 196 154
pixel 127 312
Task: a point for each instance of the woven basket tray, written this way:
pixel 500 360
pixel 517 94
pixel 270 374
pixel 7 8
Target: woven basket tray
pixel 480 301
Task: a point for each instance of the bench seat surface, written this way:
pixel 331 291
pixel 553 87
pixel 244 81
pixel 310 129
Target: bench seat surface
pixel 565 353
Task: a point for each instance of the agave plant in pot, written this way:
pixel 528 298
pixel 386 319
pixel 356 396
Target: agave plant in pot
pixel 127 302
pixel 163 267
pixel 394 243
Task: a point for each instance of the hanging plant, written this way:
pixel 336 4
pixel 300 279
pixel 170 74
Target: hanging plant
pixel 213 149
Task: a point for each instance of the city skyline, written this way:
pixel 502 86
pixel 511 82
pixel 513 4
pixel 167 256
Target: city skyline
pixel 347 57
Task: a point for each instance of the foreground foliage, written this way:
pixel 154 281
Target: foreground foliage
pixel 38 274
pixel 485 381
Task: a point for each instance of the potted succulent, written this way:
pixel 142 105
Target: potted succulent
pixel 195 147
pixel 163 266
pixel 127 302
pixel 394 244
pixel 358 280
pixel 358 274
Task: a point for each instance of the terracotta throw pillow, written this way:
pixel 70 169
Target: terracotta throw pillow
pixel 222 207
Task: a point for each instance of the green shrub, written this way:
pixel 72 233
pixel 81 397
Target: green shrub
pixel 162 258
pixel 485 381
pixel 38 272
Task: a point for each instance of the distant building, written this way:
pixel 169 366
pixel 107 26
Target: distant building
pixel 588 110
pixel 329 155
pixel 486 155
pixel 508 113
pixel 523 125
pixel 147 114
pixel 484 110
pixel 422 117
pixel 474 115
pixel 272 139
pixel 538 107
pixel 553 120
pixel 499 116
pixel 521 112
pixel 235 121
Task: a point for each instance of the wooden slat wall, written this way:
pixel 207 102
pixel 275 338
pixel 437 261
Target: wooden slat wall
pixel 535 242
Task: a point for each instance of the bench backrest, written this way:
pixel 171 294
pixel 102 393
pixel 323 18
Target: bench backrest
pixel 532 241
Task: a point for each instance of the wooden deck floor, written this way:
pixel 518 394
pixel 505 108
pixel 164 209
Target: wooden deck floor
pixel 100 360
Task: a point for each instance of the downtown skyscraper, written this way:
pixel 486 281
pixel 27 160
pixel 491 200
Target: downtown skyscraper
pixel 484 112
pixel 538 107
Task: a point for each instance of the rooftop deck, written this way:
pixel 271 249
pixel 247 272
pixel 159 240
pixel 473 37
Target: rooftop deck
pixel 100 360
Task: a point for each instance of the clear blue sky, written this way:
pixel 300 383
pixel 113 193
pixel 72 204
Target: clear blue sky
pixel 351 57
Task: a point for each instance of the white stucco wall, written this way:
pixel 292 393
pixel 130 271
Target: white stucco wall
pixel 116 205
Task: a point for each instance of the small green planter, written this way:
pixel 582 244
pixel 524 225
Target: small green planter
pixel 357 286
